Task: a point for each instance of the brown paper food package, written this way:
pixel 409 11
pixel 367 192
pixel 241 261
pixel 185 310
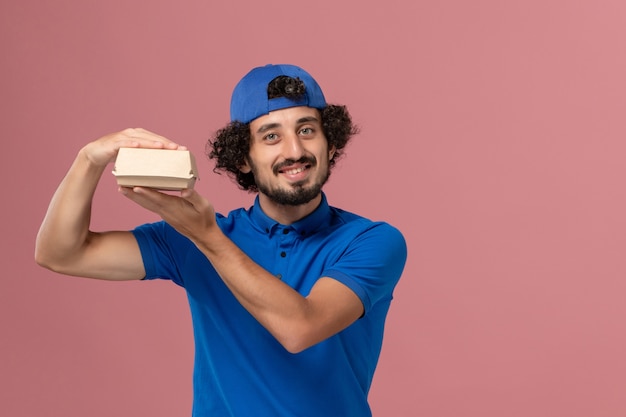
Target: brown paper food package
pixel 163 169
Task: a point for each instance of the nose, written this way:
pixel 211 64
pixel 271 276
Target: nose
pixel 293 147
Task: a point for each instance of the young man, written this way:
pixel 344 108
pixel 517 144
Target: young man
pixel 289 297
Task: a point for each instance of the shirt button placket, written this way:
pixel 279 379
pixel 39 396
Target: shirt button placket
pixel 286 242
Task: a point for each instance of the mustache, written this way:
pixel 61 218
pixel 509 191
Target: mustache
pixel 287 162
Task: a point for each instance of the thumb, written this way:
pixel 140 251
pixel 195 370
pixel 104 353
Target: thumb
pixel 193 198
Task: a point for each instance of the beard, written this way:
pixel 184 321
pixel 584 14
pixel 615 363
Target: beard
pixel 299 193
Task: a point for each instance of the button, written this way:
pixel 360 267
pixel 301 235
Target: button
pixel 283 254
pixel 279 276
pixel 285 231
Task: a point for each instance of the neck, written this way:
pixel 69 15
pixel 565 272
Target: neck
pixel 286 214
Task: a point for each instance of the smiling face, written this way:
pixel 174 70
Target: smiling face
pixel 289 156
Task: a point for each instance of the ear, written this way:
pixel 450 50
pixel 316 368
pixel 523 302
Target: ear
pixel 331 152
pixel 245 168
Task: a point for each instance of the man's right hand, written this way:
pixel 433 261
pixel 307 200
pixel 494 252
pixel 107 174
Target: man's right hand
pixel 104 150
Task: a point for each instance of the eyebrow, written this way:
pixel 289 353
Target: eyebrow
pixel 269 126
pixel 307 119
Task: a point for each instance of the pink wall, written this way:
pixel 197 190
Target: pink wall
pixel 493 135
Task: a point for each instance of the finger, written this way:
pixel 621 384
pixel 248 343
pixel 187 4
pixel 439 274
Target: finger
pixel 149 199
pixel 146 139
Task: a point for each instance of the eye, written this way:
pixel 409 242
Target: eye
pixel 307 131
pixel 270 137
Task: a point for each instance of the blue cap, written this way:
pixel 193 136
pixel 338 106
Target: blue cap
pixel 249 99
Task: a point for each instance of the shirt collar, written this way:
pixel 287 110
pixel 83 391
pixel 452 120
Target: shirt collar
pixel 304 227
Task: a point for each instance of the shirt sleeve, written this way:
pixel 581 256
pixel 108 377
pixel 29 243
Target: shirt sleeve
pixel 161 249
pixel 372 264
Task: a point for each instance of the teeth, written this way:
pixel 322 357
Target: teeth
pixel 294 171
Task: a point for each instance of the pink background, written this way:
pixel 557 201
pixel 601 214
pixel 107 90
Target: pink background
pixel 493 136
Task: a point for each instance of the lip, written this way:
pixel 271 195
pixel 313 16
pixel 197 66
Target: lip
pixel 295 172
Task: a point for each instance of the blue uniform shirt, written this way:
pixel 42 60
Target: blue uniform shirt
pixel 240 369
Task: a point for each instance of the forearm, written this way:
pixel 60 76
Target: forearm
pixel 297 322
pixel 65 228
pixel 277 306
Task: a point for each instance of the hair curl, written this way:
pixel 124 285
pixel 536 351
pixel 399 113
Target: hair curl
pixel 230 146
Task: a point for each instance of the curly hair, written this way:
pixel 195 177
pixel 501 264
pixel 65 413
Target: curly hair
pixel 230 145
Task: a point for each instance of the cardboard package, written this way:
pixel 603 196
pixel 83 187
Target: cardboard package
pixel 163 169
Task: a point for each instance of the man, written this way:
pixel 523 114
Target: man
pixel 289 297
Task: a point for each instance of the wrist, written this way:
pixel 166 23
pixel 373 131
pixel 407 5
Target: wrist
pixel 86 165
pixel 87 158
pixel 213 241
